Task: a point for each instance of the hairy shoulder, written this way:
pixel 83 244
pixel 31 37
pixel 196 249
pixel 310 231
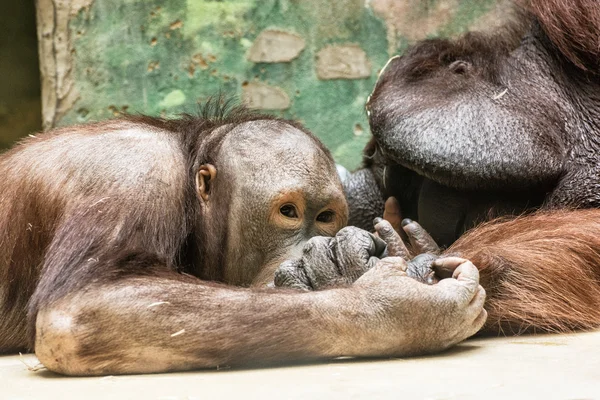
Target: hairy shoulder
pixel 120 158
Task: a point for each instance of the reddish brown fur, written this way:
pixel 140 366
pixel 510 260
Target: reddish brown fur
pixel 541 272
pixel 574 27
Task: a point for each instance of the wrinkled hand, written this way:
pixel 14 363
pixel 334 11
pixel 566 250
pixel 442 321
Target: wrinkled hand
pixel 400 315
pixel 423 251
pixel 332 261
pixel 414 318
pixel 341 260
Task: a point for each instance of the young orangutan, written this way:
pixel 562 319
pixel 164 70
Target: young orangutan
pixel 145 245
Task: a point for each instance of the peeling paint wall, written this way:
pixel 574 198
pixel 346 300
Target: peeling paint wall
pixel 314 61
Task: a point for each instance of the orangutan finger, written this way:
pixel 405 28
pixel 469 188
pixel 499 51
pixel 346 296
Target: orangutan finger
pixel 420 240
pixel 395 245
pixel 444 267
pixel 392 213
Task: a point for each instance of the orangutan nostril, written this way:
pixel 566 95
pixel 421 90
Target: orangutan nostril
pixel 460 67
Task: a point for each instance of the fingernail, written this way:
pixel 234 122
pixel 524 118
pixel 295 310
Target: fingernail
pixel 406 221
pixel 377 220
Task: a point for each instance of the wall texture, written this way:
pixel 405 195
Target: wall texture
pixel 311 60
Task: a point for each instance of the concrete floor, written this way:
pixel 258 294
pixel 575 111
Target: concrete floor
pixel 533 367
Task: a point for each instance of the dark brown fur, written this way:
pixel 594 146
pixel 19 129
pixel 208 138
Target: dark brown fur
pixel 542 272
pixel 483 50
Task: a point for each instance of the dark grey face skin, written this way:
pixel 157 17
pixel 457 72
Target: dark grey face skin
pixel 468 130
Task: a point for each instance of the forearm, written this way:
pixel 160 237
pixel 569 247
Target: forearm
pixel 139 326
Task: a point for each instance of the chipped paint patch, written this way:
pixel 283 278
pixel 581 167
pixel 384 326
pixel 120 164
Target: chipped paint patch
pixel 173 99
pixel 261 96
pixel 343 62
pixel 273 46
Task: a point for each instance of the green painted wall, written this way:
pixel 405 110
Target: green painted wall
pixel 316 62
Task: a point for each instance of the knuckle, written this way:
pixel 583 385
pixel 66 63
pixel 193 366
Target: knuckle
pixel 458 300
pixel 344 231
pixel 481 292
pixel 484 316
pixel 469 267
pixel 321 240
pixel 413 229
pixel 349 231
pixel 386 228
pixel 283 277
pixel 315 243
pixel 309 245
pixel 391 262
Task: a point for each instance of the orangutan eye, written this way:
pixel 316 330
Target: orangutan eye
pixel 289 211
pixel 326 216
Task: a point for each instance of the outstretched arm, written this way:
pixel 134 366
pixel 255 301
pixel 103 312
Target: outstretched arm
pixel 104 309
pixel 164 321
pixel 168 322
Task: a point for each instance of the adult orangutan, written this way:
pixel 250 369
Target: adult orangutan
pixel 493 125
pixel 122 235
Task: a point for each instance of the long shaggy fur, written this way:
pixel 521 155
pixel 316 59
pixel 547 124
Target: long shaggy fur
pixel 541 272
pixel 574 28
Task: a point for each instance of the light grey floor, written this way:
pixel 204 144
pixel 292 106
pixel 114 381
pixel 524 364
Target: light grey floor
pixel 533 367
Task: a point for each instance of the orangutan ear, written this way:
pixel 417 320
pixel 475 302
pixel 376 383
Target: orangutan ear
pixel 205 178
